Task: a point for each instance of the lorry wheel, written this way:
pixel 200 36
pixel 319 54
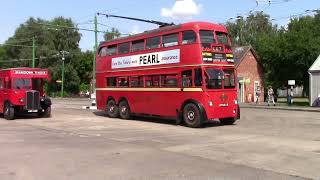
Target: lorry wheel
pixel 192 116
pixel 124 110
pixel 46 113
pixel 227 121
pixel 8 111
pixel 112 109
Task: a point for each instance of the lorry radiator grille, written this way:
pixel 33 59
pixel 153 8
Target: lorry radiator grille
pixel 32 100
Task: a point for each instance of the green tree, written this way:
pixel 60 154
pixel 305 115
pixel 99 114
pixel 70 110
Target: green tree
pixel 59 34
pixel 109 35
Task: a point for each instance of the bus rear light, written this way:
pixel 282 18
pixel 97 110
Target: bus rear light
pixel 210 103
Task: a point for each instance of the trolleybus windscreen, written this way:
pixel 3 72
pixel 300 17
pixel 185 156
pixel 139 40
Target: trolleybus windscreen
pixel 22 84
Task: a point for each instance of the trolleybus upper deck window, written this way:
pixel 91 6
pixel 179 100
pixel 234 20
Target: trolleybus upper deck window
pixel 170 40
pixel 207 38
pixel 137 45
pixel 222 38
pixel 189 37
pixel 112 50
pixel 153 42
pixel 124 48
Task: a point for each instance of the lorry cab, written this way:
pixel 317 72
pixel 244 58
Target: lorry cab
pixel 21 91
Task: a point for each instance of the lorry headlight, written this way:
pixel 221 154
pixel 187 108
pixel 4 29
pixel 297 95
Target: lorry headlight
pixel 21 100
pixel 210 103
pixel 235 101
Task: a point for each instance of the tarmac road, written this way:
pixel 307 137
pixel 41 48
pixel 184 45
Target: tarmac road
pixel 82 144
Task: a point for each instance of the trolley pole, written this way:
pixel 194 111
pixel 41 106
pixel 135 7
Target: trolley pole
pixel 94 54
pixel 33 52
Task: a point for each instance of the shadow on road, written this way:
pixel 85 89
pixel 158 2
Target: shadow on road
pixel 159 120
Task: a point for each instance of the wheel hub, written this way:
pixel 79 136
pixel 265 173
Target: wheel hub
pixel 191 115
pixel 123 109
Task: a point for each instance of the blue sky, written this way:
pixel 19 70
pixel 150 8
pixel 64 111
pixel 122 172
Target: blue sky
pixel 15 12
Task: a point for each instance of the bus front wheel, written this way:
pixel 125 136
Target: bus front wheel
pixel 192 115
pixel 112 109
pixel 124 110
pixel 8 111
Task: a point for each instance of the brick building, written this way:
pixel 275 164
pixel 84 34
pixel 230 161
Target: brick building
pixel 250 74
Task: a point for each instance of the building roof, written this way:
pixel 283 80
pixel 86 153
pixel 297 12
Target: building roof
pixel 315 66
pixel 239 53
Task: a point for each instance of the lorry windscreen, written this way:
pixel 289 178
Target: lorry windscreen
pixel 22 83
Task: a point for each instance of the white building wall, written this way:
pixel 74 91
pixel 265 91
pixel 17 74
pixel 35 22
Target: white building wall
pixel 314 86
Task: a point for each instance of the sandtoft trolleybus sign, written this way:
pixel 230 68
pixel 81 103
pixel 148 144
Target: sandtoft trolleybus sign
pixel 156 58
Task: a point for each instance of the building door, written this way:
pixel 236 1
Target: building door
pixel 255 87
pixel 240 89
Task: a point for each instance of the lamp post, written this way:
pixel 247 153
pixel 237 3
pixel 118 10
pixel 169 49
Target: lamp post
pixel 63 53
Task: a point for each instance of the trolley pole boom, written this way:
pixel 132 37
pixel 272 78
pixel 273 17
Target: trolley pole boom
pixel 161 24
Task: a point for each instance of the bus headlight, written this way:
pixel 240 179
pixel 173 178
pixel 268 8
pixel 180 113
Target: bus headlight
pixel 210 103
pixel 21 100
pixel 235 101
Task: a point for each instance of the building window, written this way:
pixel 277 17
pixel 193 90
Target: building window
pixel 170 40
pixel 111 82
pixel 153 42
pixel 169 80
pixel 124 48
pixel 137 45
pixel 186 78
pixel 189 37
pixel 112 50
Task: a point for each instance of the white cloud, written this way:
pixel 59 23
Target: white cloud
pixel 184 9
pixel 135 29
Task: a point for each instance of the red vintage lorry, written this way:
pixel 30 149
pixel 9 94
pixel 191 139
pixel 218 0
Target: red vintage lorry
pixel 22 91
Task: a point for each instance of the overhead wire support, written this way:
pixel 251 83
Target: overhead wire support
pixel 15 45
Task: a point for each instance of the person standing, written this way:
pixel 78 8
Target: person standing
pixel 271 96
pixel 258 93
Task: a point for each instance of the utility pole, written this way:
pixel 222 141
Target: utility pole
pixel 63 53
pixel 33 52
pixel 94 54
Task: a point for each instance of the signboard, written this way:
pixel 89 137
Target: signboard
pixel 25 72
pixel 291 82
pixel 150 59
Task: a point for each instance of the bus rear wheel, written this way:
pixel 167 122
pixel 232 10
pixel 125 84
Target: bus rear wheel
pixel 112 109
pixel 192 116
pixel 8 111
pixel 124 110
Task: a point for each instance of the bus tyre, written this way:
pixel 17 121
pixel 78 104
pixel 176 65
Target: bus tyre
pixel 8 112
pixel 124 110
pixel 112 109
pixel 192 116
pixel 46 113
pixel 228 121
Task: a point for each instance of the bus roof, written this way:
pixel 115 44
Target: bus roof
pixel 26 72
pixel 186 26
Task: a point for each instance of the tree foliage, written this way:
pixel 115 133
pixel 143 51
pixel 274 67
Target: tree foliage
pixel 109 35
pixel 51 38
pixel 287 52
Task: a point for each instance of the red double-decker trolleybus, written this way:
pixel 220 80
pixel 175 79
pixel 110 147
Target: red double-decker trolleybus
pixel 185 72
